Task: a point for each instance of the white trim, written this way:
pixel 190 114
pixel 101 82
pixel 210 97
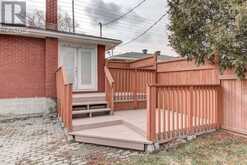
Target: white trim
pixel 94 72
pixel 63 36
pixel 77 45
pixel 83 46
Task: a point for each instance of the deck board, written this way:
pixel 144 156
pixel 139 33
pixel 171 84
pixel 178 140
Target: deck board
pixel 135 117
pixel 124 129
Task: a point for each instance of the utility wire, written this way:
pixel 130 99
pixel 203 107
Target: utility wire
pixel 120 17
pixel 147 30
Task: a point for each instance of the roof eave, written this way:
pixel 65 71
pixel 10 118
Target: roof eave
pixel 64 36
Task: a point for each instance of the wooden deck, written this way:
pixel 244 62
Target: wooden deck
pixel 171 110
pixel 128 129
pixel 124 129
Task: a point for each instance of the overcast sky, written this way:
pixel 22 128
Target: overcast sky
pixel 89 13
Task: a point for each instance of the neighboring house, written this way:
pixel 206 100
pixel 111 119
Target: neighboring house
pixel 29 59
pixel 129 56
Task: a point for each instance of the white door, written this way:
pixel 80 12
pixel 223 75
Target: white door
pixel 68 60
pixel 87 69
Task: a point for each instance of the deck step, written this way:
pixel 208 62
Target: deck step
pixel 93 94
pixel 90 111
pixel 89 97
pixel 81 103
pixel 116 135
pixel 90 125
pixel 89 104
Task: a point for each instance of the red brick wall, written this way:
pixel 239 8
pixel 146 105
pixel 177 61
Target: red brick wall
pixel 51 65
pixel 27 67
pixel 21 67
pixel 51 14
pixel 101 64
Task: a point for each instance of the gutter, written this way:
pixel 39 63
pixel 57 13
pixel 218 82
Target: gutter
pixel 64 36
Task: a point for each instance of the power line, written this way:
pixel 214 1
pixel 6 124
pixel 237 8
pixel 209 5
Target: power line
pixel 147 30
pixel 120 17
pixel 99 10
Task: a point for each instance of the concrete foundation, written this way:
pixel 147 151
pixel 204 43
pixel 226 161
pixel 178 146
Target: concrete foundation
pixel 27 106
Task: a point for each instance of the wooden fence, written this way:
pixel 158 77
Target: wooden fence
pixel 64 98
pixel 178 111
pixel 234 105
pixel 205 80
pixel 183 72
pixel 130 84
pixel 130 87
pixel 130 79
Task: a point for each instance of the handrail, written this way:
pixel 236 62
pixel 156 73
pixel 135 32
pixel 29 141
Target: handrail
pixel 184 85
pixel 64 98
pixel 109 88
pixel 142 69
pixel 66 82
pixel 109 76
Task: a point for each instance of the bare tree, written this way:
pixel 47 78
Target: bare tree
pixel 36 19
pixel 65 22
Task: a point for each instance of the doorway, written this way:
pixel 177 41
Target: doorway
pixel 80 65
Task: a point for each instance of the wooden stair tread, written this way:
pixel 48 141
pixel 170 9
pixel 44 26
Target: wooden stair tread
pixel 90 111
pixel 86 95
pixel 89 103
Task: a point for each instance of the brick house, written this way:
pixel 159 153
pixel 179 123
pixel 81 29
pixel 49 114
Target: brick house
pixel 29 59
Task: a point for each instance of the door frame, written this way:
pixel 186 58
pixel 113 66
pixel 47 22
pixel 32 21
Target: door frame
pixel 94 85
pixel 77 46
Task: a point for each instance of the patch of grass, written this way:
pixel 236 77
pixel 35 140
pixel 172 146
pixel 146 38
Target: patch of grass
pixel 216 148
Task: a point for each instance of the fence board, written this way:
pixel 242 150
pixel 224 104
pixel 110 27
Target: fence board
pixel 234 105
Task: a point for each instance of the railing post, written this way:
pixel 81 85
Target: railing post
pixel 135 90
pixel 151 113
pixel 156 66
pixel 219 108
pixel 66 107
pixel 69 117
pixel 112 98
pixel 190 109
pixel 109 89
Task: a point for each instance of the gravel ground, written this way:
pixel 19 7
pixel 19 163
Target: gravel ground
pixel 41 140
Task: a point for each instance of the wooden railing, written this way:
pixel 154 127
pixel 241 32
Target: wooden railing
pixel 64 98
pixel 130 84
pixel 180 111
pixel 109 88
